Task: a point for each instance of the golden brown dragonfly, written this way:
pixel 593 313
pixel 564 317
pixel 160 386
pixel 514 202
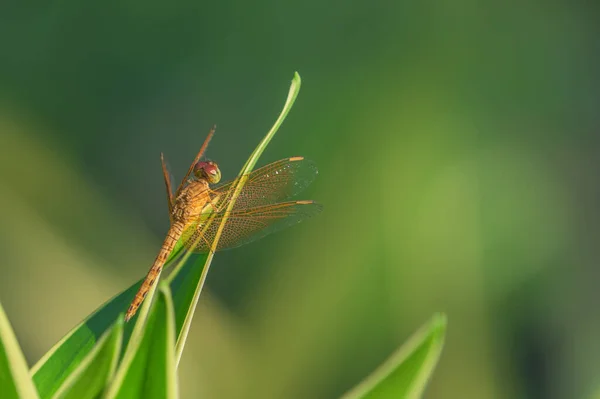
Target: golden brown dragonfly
pixel 196 209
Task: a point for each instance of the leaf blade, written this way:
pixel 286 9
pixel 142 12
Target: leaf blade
pixel 93 373
pixel 406 372
pixel 14 376
pixel 186 281
pixel 50 372
pixel 148 368
pixel 243 177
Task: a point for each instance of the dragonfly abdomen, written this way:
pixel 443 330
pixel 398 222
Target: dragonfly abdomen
pixel 173 235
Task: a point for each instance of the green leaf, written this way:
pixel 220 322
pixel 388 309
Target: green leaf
pixel 148 368
pixel 14 378
pixel 406 372
pixel 89 379
pixel 250 163
pixel 51 371
pixel 186 282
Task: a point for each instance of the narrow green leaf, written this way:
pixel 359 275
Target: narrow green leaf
pixel 90 378
pixel 51 371
pixel 183 287
pixel 186 281
pixel 406 372
pixel 148 367
pixel 14 378
pixel 250 163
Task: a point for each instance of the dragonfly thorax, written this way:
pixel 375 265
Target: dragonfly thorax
pixel 188 206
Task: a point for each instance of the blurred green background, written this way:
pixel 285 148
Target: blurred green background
pixel 457 146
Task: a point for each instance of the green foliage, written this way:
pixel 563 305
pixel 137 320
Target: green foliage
pixel 406 372
pixel 60 361
pixel 145 352
pixel 14 379
pixel 148 368
pixel 185 281
pixel 92 375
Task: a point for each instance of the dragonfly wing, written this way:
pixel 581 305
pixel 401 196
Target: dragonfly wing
pixel 272 183
pixel 167 178
pixel 247 225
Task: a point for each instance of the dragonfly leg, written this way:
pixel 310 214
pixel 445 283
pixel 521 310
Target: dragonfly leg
pixel 208 244
pixel 213 201
pixel 196 239
pixel 214 205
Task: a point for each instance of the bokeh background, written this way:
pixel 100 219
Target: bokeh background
pixel 457 143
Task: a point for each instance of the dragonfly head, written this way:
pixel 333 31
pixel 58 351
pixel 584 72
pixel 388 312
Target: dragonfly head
pixel 207 170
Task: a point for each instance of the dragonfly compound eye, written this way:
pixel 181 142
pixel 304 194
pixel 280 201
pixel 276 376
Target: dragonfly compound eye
pixel 207 170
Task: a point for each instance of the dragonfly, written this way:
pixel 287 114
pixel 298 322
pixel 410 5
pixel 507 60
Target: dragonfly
pixel 198 207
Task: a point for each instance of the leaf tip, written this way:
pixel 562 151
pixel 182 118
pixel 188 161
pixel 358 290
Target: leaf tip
pixel 439 321
pixel 120 322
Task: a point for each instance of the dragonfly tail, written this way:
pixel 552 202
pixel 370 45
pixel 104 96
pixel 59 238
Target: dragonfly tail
pixel 154 273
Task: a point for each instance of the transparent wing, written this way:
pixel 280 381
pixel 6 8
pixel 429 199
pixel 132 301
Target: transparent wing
pixel 246 225
pixel 167 178
pixel 272 183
